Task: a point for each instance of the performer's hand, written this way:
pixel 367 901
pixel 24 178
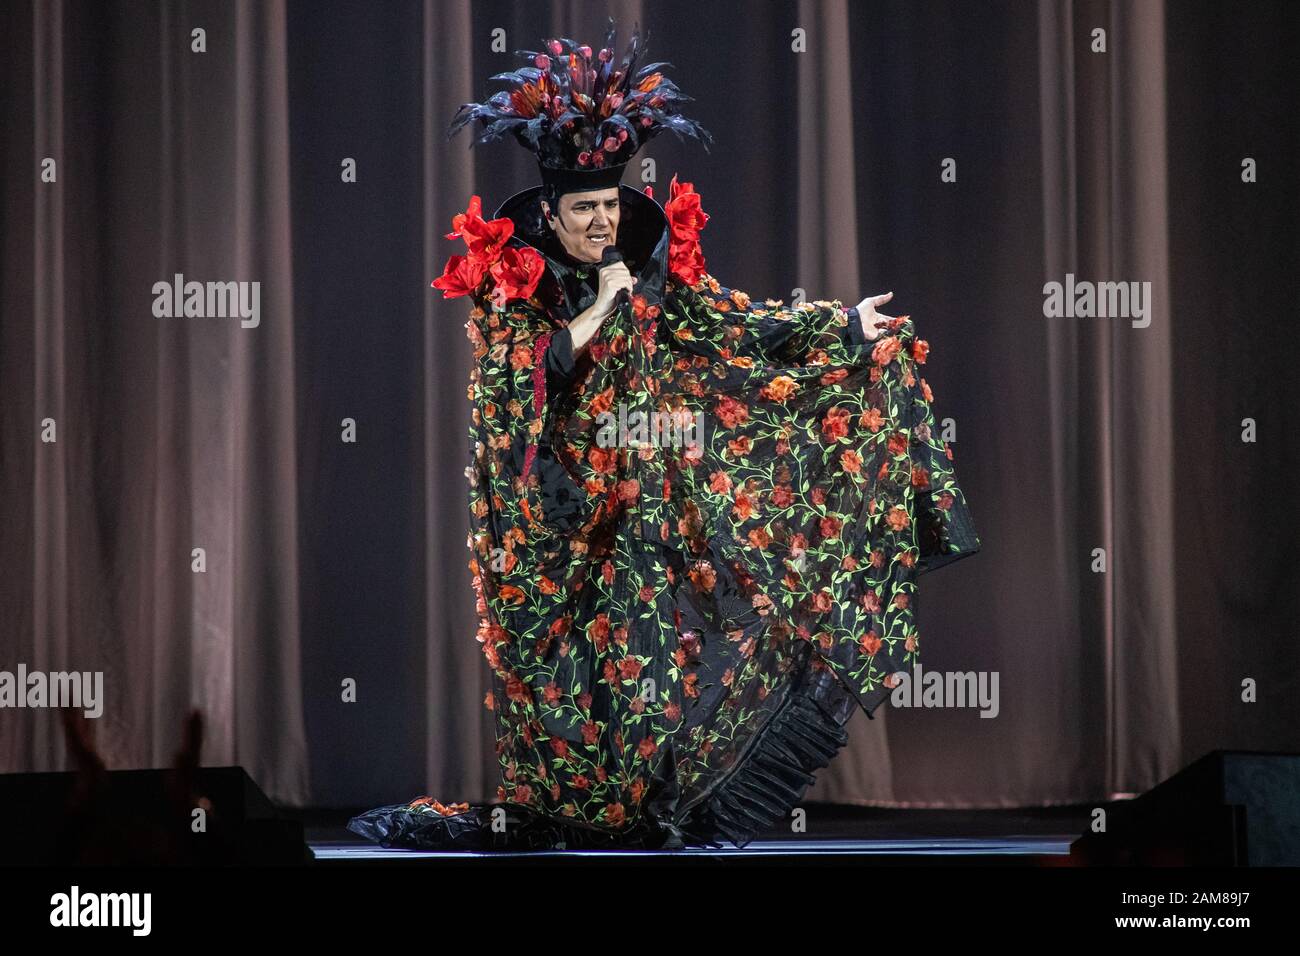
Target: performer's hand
pixel 869 316
pixel 613 278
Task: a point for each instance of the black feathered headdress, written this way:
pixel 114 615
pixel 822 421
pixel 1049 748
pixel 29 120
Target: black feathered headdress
pixel 584 117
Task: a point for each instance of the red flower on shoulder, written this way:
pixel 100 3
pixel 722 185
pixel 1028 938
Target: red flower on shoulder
pixel 484 239
pixel 461 276
pixel 685 220
pixel 686 263
pixel 685 215
pixel 516 274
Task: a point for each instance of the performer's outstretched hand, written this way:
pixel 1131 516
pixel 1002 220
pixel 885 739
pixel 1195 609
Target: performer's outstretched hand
pixel 869 316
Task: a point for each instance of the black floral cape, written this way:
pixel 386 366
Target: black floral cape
pixel 694 560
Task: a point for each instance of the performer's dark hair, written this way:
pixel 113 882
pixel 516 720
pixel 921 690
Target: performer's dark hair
pixel 551 193
pixel 535 216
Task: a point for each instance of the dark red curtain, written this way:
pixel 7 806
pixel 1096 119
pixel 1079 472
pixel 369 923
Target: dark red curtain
pixel 1138 587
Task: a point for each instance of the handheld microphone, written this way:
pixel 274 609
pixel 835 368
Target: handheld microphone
pixel 608 256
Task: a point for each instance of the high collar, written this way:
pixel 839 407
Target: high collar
pixel 642 238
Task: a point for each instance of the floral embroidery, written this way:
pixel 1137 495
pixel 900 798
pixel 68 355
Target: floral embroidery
pixel 653 599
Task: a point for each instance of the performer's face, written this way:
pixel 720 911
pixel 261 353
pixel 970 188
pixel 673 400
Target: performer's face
pixel 586 222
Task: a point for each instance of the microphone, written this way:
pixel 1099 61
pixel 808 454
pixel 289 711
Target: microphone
pixel 608 256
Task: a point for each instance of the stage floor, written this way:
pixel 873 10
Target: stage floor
pixel 879 836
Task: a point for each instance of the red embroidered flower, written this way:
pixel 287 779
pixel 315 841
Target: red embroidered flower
pixel 731 412
pixel 886 350
pixel 835 424
pixel 603 460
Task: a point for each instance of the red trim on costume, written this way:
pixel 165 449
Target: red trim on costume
pixel 539 393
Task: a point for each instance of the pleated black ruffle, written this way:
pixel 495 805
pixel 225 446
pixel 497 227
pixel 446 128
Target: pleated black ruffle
pixel 776 771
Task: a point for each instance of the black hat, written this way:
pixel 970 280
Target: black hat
pixel 563 180
pixel 583 116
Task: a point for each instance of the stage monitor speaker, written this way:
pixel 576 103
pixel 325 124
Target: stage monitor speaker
pixel 144 817
pixel 1229 808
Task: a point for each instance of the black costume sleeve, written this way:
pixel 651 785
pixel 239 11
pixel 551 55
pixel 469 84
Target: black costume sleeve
pixel 559 362
pixel 854 333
